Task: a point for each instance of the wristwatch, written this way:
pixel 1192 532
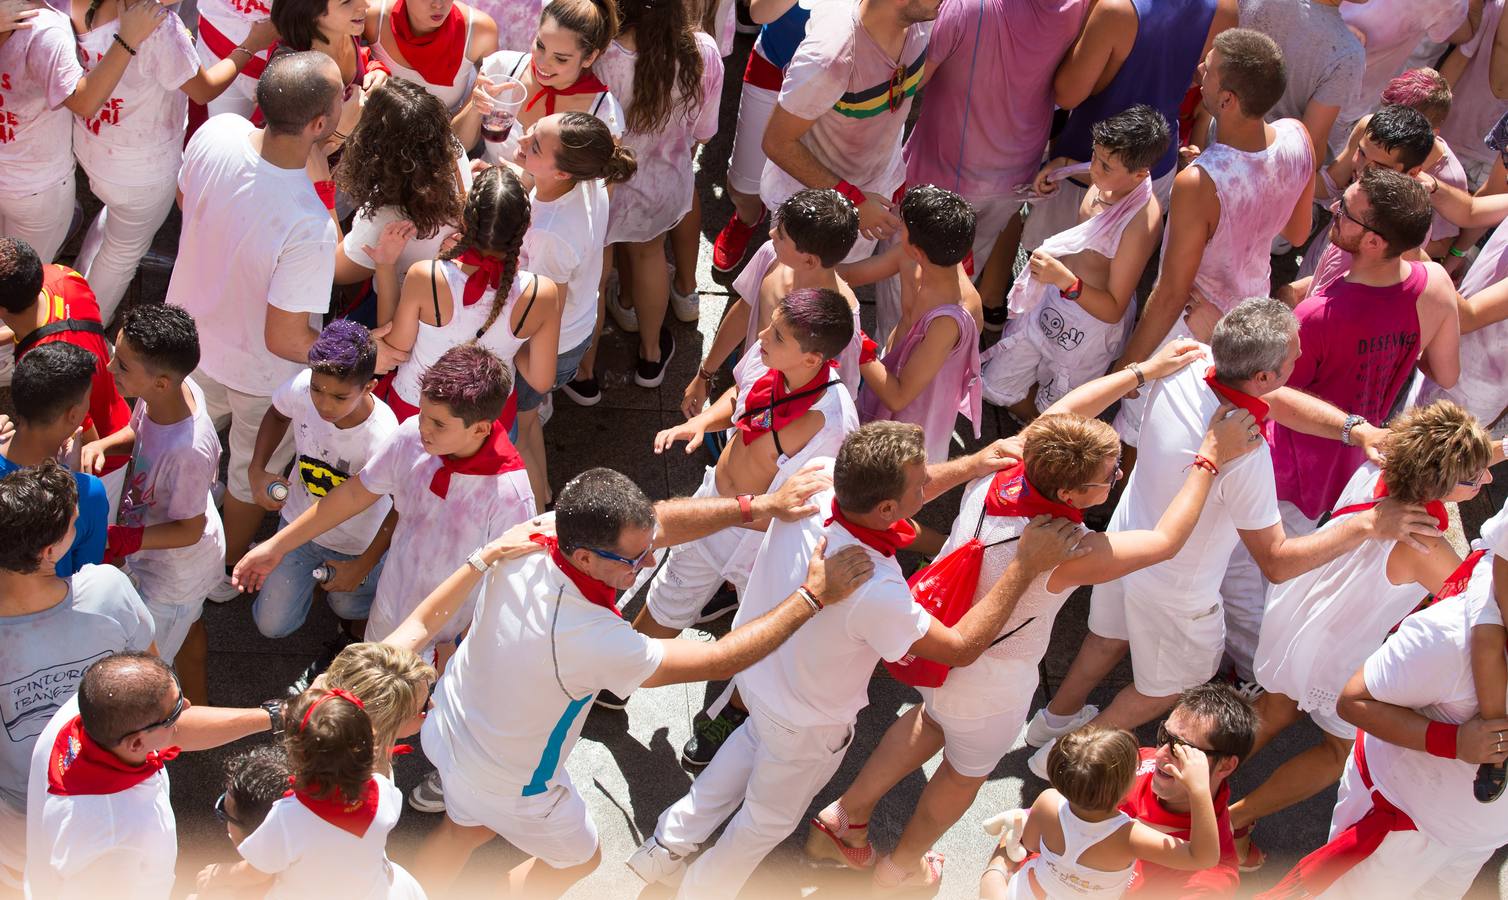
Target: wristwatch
pixel 476 561
pixel 1345 429
pixel 1074 290
pixel 274 710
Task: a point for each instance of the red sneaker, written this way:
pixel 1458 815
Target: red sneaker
pixel 732 241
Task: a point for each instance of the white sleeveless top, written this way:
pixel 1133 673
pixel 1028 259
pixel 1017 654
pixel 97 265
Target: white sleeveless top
pixel 453 95
pixel 1062 876
pixel 432 342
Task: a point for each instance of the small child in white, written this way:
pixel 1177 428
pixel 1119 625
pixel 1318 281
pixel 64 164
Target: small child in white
pixel 328 838
pixel 1079 842
pixel 169 534
pixel 1489 667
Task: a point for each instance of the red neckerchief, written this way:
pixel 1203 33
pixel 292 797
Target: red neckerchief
pixel 354 818
pixel 597 593
pixel 1435 508
pixel 431 55
pixel 1461 577
pixel 766 408
pixel 496 456
pixel 886 541
pixel 1258 408
pixel 79 766
pixel 1142 804
pixel 588 83
pixel 1012 495
pixel 488 274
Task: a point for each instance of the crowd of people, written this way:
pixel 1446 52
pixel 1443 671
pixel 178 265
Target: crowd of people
pixel 1232 268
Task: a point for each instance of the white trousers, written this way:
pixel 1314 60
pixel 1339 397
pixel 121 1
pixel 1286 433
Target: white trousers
pixel 1244 593
pixel 755 106
pixel 40 219
pixel 120 236
pixel 769 772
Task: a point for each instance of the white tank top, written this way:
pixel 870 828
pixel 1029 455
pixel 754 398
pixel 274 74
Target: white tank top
pixel 465 321
pixel 1062 876
pixel 453 95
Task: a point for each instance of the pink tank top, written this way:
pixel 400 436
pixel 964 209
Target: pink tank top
pixel 1474 109
pixel 1360 344
pixel 1257 192
pixel 955 389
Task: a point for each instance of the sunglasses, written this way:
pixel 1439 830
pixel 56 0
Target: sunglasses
pixel 1166 738
pixel 636 562
pixel 225 817
pixel 1473 482
pixel 172 717
pixel 1339 206
pixel 1114 479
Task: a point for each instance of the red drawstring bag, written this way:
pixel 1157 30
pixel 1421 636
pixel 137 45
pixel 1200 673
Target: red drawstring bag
pixel 945 589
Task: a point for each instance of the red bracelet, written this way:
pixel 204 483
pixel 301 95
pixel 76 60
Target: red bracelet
pixel 746 507
pixel 1203 462
pixel 854 195
pixel 326 192
pixel 1440 739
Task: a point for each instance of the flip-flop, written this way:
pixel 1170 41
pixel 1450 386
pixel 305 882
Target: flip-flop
pixel 823 843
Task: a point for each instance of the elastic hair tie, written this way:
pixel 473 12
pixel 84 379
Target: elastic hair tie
pixel 342 693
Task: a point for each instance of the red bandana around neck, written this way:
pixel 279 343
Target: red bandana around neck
pixel 884 540
pixel 597 593
pixel 353 818
pixel 1435 508
pixel 78 766
pixel 1012 495
pixel 587 83
pixel 770 407
pixel 496 456
pixel 1258 408
pixel 488 275
pixel 432 55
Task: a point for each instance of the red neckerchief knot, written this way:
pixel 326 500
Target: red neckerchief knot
pixel 351 816
pixel 1257 408
pixel 1435 508
pixel 884 541
pixel 496 456
pixel 1011 494
pixel 587 83
pixel 78 766
pixel 597 593
pixel 770 407
pixel 488 275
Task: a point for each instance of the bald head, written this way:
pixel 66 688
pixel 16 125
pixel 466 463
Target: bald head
pixel 124 693
pixel 296 88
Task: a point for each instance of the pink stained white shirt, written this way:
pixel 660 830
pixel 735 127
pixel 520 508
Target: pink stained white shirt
pixel 1482 388
pixel 955 389
pixel 434 535
pixel 1391 29
pixel 1447 170
pixel 1474 109
pixel 517 21
pixel 39 69
pixel 659 193
pixel 136 138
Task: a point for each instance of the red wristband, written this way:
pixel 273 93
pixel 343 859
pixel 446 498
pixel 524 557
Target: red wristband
pixel 869 351
pixel 326 192
pixel 1205 463
pixel 854 195
pixel 121 541
pixel 746 507
pixel 1440 739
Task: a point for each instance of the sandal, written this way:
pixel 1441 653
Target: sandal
pixel 889 877
pixel 1491 778
pixel 824 842
pixel 1252 858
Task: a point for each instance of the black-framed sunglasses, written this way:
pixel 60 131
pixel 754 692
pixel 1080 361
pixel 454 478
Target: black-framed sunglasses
pixel 172 717
pixel 1166 738
pixel 897 93
pixel 225 817
pixel 1339 206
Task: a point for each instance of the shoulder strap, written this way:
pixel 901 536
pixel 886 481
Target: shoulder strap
pixel 533 293
pixel 517 65
pixel 84 326
pixel 434 294
pixel 601 99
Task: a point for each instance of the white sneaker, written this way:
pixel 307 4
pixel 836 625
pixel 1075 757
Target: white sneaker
pixel 657 865
pixel 687 307
pixel 626 318
pixel 1037 762
pixel 224 592
pixel 1039 733
pixel 428 796
pixel 546 409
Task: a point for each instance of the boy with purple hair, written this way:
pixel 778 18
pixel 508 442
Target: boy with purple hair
pixel 337 427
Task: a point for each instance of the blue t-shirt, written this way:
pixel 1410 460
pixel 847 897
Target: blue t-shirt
pixel 94 518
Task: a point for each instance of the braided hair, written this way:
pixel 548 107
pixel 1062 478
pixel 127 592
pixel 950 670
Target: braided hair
pixel 494 223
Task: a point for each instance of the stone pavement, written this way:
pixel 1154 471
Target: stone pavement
pixel 626 764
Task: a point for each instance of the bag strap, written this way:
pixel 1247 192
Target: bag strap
pixel 1013 631
pixel 85 326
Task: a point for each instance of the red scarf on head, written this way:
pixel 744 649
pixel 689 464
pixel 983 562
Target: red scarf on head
pixel 1258 408
pixel 432 55
pixel 767 407
pixel 1012 495
pixel 496 456
pixel 78 766
pixel 886 541
pixel 488 274
pixel 588 83
pixel 1435 508
pixel 354 818
pixel 597 593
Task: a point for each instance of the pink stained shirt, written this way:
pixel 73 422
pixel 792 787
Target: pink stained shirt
pixel 1360 345
pixel 972 138
pixel 954 389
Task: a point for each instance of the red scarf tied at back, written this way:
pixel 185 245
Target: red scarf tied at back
pixel 496 456
pixel 432 55
pixel 78 766
pixel 1435 508
pixel 883 540
pixel 597 593
pixel 488 275
pixel 770 407
pixel 587 83
pixel 1012 495
pixel 1257 408
pixel 354 817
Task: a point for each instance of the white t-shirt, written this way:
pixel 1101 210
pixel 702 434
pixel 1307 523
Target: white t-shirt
pixel 39 68
pixel 366 230
pixel 313 858
pixel 122 845
pixel 327 456
pixel 513 699
pixel 1244 496
pixel 434 536
pixel 172 470
pixel 1426 666
pixel 43 657
pixel 564 244
pixel 253 234
pixel 820 675
pixel 136 138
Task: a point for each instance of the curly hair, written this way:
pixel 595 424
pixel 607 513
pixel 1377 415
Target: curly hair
pixel 669 67
pixel 494 222
pixel 402 154
pixel 330 745
pixel 1431 448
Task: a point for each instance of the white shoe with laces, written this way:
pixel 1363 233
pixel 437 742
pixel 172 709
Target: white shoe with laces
pixel 1039 733
pixel 656 864
pixel 687 307
pixel 224 592
pixel 1037 762
pixel 428 796
pixel 625 317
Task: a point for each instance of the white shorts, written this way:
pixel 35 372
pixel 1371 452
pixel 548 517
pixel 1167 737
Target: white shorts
pixel 1172 649
pixel 975 746
pixel 172 622
pixel 1057 346
pixel 693 571
pixel 553 826
pixel 245 413
pixel 755 106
